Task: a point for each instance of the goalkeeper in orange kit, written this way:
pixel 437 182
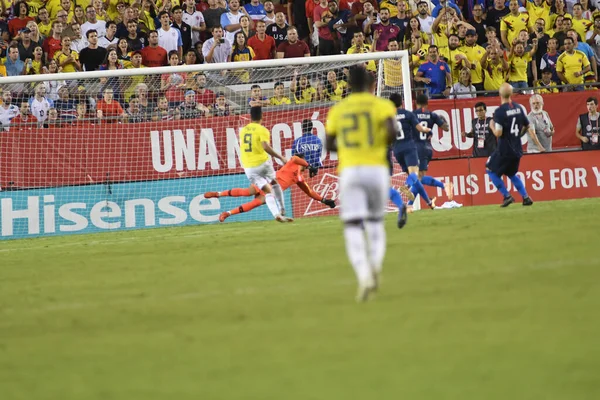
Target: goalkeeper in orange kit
pixel 289 174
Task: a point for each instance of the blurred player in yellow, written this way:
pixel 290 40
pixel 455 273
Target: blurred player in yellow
pixel 255 155
pixel 360 128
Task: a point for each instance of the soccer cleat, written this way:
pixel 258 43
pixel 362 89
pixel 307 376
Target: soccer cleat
pixel 432 203
pixel 281 218
pixel 376 281
pixel 405 190
pixel 507 201
pixel 527 201
pixel 364 289
pixel 209 195
pixel 224 215
pixel 449 188
pixel 402 216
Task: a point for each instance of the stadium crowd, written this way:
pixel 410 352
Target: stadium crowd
pixel 458 50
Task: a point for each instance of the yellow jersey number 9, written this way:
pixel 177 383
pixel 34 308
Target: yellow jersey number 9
pixel 248 142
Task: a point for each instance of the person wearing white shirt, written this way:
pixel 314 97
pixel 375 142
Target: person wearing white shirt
pixel 425 19
pixel 79 43
pixel 216 49
pixel 40 104
pixel 270 13
pixel 169 38
pixel 7 111
pixel 593 37
pixel 231 21
pixel 195 19
pixel 110 37
pixel 93 23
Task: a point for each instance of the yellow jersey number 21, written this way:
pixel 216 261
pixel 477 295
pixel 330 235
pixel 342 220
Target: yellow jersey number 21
pixel 355 126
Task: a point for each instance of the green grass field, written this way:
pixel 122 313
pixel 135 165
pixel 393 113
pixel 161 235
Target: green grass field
pixel 476 303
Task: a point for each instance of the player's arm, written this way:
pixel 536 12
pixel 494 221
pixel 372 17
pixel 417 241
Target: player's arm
pixel 330 143
pixel 267 147
pixel 441 122
pixel 312 194
pixel 496 128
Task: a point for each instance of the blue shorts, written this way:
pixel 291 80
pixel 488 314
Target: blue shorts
pixel 407 157
pixel 502 165
pixel 425 154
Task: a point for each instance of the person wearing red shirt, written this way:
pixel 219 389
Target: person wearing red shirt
pixel 322 16
pixel 109 109
pixel 293 47
pixel 262 44
pixel 203 95
pixel 53 43
pixel 20 21
pixel 153 55
pixel 24 121
pixel 310 10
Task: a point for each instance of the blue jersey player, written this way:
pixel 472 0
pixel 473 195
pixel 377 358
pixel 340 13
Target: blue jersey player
pixel 510 123
pixel 428 119
pixel 308 144
pixel 405 148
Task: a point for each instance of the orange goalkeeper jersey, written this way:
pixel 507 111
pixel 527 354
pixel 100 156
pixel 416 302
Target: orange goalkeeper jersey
pixel 291 172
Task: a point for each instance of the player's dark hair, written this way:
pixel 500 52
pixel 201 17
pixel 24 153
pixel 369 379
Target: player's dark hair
pixel 256 113
pixel 396 98
pixel 422 100
pixel 592 100
pixel 359 79
pixel 307 125
pixel 481 104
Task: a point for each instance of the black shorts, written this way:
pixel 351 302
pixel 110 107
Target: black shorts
pixel 425 154
pixel 501 165
pixel 407 157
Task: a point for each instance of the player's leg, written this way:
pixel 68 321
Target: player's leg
pixel 235 192
pixel 251 205
pixel 511 172
pixel 378 184
pixel 495 169
pixel 394 195
pixel 353 198
pixel 278 192
pixel 409 180
pixel 425 155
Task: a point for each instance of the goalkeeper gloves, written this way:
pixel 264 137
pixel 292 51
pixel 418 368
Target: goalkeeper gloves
pixel 312 170
pixel 328 202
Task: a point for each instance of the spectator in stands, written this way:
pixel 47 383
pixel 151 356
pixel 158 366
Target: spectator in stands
pixel 435 74
pixel 111 61
pixel 82 114
pixel 414 29
pixel 255 10
pixel 221 108
pixel 173 84
pixel 21 18
pixel 478 23
pixel 153 55
pixel 360 47
pixel 495 14
pixel 40 104
pixel 44 24
pixel 126 15
pixel 322 17
pixel 279 97
pixel 107 109
pixel 392 71
pixel 262 44
pixel 269 17
pixel 589 53
pixel 134 111
pixel 541 130
pixel 463 89
pixel 169 38
pixel 321 93
pixel 572 65
pixel 77 42
pixel 203 95
pixel 194 19
pixel 51 85
pixel 101 13
pixel 25 45
pixel 445 4
pixel 24 121
pixel 231 21
pixel 494 67
pixel 8 111
pixel 588 126
pixel 245 27
pixel 293 47
pixel 241 52
pixel 358 10
pixel 454 57
pixel 53 43
pixel 341 25
pixel 191 58
pixel 518 60
pixel 66 58
pixel 185 30
pixel 13 64
pixel 216 49
pixel 141 93
pixel 212 15
pixel 93 23
pixel 335 89
pixel 52 121
pixel 78 16
pixel 484 140
pixel 123 52
pixel 279 29
pixel 474 52
pixel 546 85
pixel 385 29
pixel 66 107
pixel 301 89
pixel 190 109
pixel 580 24
pixel 512 24
pixel 92 56
pixel 34 33
pixel 111 36
pixel 35 66
pixel 135 39
pixel 400 17
pixel 256 98
pixel 593 37
pixel 62 17
pixel 162 112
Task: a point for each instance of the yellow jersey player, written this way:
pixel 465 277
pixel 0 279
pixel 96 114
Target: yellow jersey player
pixel 360 128
pixel 255 155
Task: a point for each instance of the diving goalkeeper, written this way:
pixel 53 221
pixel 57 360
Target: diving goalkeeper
pixel 289 174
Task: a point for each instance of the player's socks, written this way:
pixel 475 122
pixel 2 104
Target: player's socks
pixel 499 183
pixel 209 195
pixel 356 249
pixel 429 181
pixel 411 179
pixel 518 183
pixel 237 192
pixel 279 196
pixel 396 198
pixel 251 205
pixel 417 188
pixel 376 238
pixel 272 204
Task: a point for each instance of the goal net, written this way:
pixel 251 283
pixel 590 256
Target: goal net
pixel 138 147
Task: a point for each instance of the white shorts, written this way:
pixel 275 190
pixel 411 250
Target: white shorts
pixel 364 192
pixel 262 175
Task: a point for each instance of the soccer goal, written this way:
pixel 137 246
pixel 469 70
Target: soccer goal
pixel 138 147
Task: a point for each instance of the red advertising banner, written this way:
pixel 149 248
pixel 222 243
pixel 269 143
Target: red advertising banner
pixel 80 154
pixel 547 176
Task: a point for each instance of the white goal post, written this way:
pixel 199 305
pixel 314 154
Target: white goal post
pixel 138 147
